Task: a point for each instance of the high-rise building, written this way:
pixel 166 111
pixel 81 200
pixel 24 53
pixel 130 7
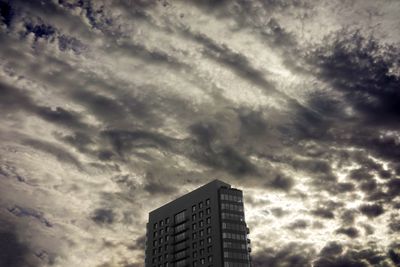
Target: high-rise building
pixel 205 227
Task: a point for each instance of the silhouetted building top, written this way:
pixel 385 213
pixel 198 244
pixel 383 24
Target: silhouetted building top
pixel 205 227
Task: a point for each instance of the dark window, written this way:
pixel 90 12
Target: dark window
pixel 201 223
pixel 209 249
pixel 201 205
pixel 202 261
pixel 194 217
pixel 194 263
pixel 208 221
pixel 167 220
pixel 155 226
pixel 201 214
pixel 194 245
pixel 194 226
pixel 193 208
pixel 208 202
pixel 209 240
pixel 161 223
pixel 210 258
pixel 194 235
pixel 201 233
pixel 208 211
pixel 202 242
pixel 209 230
pixel 195 254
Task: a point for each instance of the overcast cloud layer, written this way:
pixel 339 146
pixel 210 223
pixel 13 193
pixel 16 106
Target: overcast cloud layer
pixel 110 109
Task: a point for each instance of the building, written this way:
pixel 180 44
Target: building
pixel 205 227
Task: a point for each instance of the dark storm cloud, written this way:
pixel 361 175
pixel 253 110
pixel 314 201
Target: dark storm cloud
pixel 159 187
pixel 372 210
pixel 13 252
pixel 351 232
pixel 6 12
pixel 323 213
pixel 353 258
pixel 208 152
pixel 15 99
pixel 360 68
pixel 281 182
pixel 103 216
pixel 293 254
pixel 299 224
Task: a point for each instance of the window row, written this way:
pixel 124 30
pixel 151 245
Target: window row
pixel 236 255
pixel 201 233
pixel 231 216
pixel 180 217
pixel 234 226
pixel 180 228
pixel 161 223
pixel 235 264
pixel 161 231
pixel 209 249
pixel 160 240
pixel 201 214
pixel 234 245
pixel 180 237
pixel 235 207
pixel 160 258
pixel 231 198
pixel 200 205
pixel 160 249
pixel 202 261
pixel 234 236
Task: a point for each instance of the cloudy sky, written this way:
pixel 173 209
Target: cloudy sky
pixel 110 109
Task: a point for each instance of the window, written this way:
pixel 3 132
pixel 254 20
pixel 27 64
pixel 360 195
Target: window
pixel 193 208
pixel 194 263
pixel 166 247
pixel 201 233
pixel 207 202
pixel 202 242
pixel 200 214
pixel 180 217
pixel 194 245
pixel 208 221
pixel 154 234
pixel 209 249
pixel 201 205
pixel 154 251
pixel 202 261
pixel 155 243
pixel 167 229
pixel 161 223
pixel 194 217
pixel 161 231
pixel 209 240
pixel 195 254
pixel 194 226
pixel 194 235
pixel 155 226
pixel 208 211
pixel 167 220
pixel 201 223
pixel 166 238
pixel 159 249
pixel 209 230
pixel 210 258
pixel 160 240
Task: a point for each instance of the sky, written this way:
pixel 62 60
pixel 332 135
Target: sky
pixel 110 109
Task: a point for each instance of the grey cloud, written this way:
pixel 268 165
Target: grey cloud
pixel 27 212
pixel 60 153
pixel 323 213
